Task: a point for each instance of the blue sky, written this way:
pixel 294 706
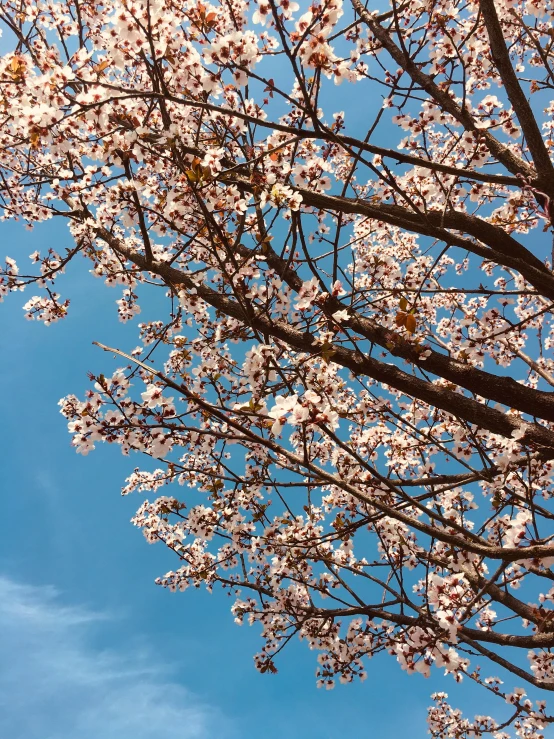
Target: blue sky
pixel 91 647
pixel 88 632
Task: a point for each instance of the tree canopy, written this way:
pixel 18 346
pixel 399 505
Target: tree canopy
pixel 347 402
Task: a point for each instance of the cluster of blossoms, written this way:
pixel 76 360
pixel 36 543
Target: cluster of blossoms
pixel 351 383
pixel 297 413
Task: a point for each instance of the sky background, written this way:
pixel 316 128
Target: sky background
pixel 90 647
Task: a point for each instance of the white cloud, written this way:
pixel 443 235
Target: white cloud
pixel 56 683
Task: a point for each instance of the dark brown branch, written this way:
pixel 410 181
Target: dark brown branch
pixel 346 142
pixel 501 248
pixel 525 115
pixel 442 98
pixel 506 554
pixel 510 666
pixel 451 402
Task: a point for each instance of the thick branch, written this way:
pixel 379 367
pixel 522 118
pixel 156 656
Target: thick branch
pixel 451 402
pixel 525 115
pixel 501 248
pixel 442 98
pixel 346 142
pixel 471 543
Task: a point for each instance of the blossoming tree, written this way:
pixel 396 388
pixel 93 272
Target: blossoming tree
pixel 347 406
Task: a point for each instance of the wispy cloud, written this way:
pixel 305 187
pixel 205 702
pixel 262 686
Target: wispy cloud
pixel 57 683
